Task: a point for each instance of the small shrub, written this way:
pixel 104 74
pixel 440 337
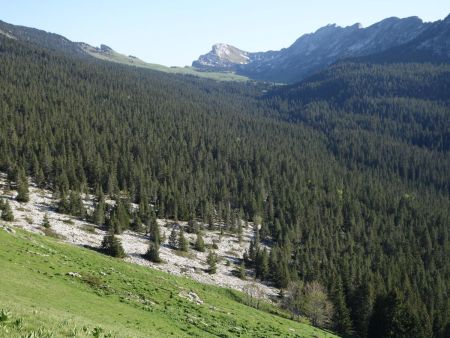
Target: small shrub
pixel 51 233
pixel 18 323
pixel 92 280
pixel 89 228
pixel 97 332
pixel 46 222
pixel 5 315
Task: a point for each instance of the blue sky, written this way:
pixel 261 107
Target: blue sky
pixel 175 32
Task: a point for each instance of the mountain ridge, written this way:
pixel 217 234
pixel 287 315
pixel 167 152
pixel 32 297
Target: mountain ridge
pixel 83 50
pixel 314 51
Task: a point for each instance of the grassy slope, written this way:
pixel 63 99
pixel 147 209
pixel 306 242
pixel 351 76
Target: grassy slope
pixel 123 59
pixel 123 299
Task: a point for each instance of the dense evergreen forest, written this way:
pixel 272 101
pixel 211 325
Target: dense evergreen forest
pixel 348 172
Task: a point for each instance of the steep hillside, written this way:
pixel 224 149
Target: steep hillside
pixel 230 247
pixel 54 290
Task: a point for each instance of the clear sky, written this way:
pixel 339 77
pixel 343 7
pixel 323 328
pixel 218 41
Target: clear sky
pixel 175 32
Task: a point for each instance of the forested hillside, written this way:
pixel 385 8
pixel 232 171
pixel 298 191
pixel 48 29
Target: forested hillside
pixel 348 172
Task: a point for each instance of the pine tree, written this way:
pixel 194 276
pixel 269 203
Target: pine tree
pixel 122 213
pixel 211 259
pixel 239 230
pixel 341 317
pixel 23 194
pixel 99 212
pixel 241 271
pixel 154 233
pixel 152 253
pixel 262 264
pixel 63 204
pixel 361 308
pixel 6 211
pixel 75 205
pixel 199 243
pixel 392 318
pixel 46 221
pixel 192 226
pixel 112 246
pixel 173 239
pixel 183 243
pixel 40 178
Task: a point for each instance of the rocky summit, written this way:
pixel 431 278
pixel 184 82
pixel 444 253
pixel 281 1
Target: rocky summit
pixel 315 51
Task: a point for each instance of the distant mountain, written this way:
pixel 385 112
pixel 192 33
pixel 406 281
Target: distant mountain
pixel 315 51
pixel 60 44
pixel 226 57
pixel 432 45
pixel 42 38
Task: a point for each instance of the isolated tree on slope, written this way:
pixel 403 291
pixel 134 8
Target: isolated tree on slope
pixel 212 262
pixel 154 233
pixel 183 243
pixel 173 239
pixel 199 243
pixel 112 246
pixel 241 271
pixel 152 253
pixel 46 221
pixel 23 194
pixel 7 214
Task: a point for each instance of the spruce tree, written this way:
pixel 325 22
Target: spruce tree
pixel 6 211
pixel 99 213
pixel 211 259
pixel 40 178
pixel 183 243
pixel 23 194
pixel 112 246
pixel 392 318
pixel 154 233
pixel 262 264
pixel 75 205
pixel 199 243
pixel 341 317
pixel 173 239
pixel 152 253
pixel 192 226
pixel 239 230
pixel 241 271
pixel 63 204
pixel 361 308
pixel 46 221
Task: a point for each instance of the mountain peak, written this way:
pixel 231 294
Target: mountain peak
pixel 222 56
pixel 106 49
pixel 314 51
